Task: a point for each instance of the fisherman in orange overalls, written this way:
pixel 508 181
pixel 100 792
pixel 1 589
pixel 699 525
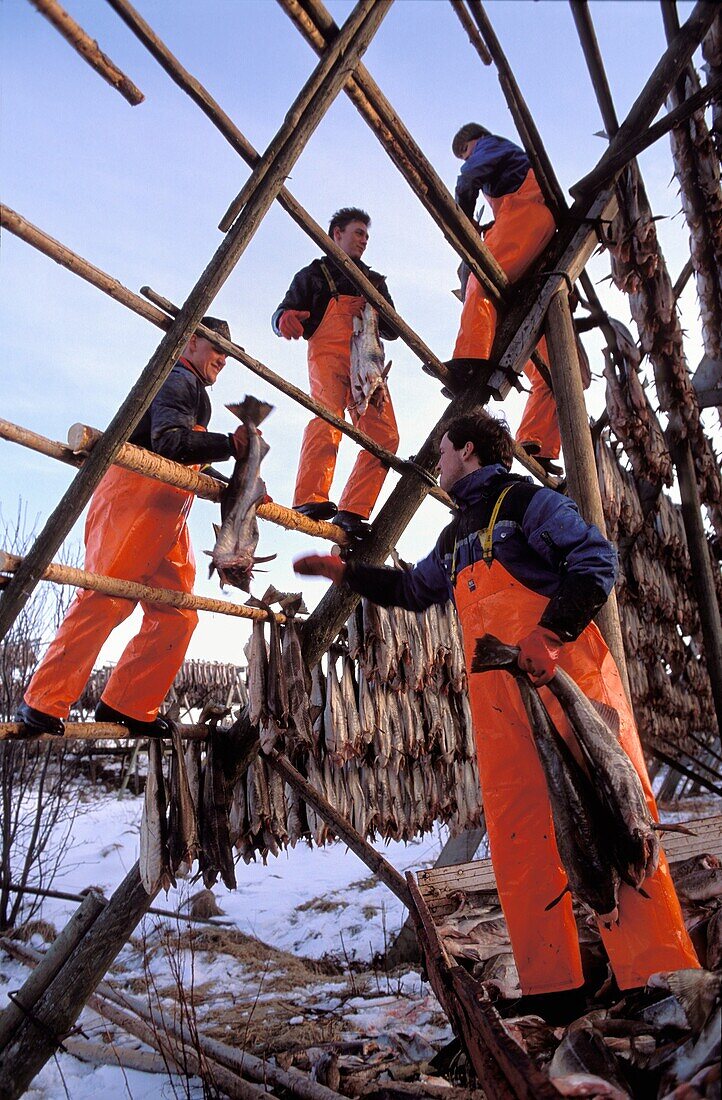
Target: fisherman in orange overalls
pixel 521 563
pixel 320 305
pixel 523 226
pixel 136 530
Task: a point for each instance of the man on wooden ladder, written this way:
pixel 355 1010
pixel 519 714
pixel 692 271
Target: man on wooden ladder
pixel 136 530
pixel 520 563
pixel 320 305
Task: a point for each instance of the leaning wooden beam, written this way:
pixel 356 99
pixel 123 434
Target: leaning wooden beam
pixel 63 895
pixel 89 50
pixel 53 960
pixel 15 223
pixel 347 48
pixel 341 827
pixel 91 731
pixel 472 33
pixel 131 590
pixel 579 451
pixel 318 28
pixel 530 136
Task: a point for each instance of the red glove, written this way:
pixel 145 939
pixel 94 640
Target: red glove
pixel 357 306
pixel 539 654
pixel 239 441
pixel 289 323
pixel 321 565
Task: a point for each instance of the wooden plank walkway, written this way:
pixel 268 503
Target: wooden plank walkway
pixel 439 884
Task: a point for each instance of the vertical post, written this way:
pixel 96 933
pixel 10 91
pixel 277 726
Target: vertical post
pixel 578 450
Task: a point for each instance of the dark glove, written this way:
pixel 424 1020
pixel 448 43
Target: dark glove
pixel 239 441
pixel 290 323
pixel 539 654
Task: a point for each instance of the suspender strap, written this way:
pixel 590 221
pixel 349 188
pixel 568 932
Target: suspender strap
pixel 329 279
pixel 489 533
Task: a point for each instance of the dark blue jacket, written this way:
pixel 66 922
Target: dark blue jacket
pixel 539 537
pixel 312 290
pixel 496 166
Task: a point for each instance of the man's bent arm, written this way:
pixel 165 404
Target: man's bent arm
pixel 414 589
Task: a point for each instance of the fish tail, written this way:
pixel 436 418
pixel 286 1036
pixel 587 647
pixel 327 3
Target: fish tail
pixel 491 653
pixel 251 410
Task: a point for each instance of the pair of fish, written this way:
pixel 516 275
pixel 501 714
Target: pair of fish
pixel 368 372
pixel 233 555
pixel 277 677
pixel 604 831
pixel 169 826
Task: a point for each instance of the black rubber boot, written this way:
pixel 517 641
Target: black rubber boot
pixel 461 372
pixel 36 721
pixel 353 524
pixel 558 1009
pixel 318 509
pixel 160 727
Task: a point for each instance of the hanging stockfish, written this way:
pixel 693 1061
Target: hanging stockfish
pixel 155 872
pixel 696 166
pixel 182 819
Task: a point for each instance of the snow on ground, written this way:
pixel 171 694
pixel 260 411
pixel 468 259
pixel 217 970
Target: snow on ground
pixel 322 904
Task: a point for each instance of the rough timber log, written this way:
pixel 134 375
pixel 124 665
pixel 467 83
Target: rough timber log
pixel 579 450
pixel 346 49
pixel 504 1070
pixel 92 731
pixel 473 34
pixel 89 50
pixel 131 590
pixel 678 437
pixel 29 233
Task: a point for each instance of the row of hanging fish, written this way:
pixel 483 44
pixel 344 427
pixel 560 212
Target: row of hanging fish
pixel 268 815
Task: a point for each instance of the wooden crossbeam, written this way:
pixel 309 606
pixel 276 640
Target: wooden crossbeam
pixel 89 50
pixel 92 731
pixel 131 590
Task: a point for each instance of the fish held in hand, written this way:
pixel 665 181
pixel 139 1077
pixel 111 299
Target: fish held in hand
pixel 233 556
pixel 368 372
pixel 577 814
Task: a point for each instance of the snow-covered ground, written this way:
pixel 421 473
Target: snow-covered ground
pixel 321 904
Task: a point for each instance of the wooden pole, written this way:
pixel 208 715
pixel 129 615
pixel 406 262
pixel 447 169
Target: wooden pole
pixel 348 47
pixel 530 136
pixel 82 438
pixel 54 958
pixel 579 451
pixel 91 731
pixel 473 34
pixel 23 229
pixel 63 895
pixel 341 827
pixel 89 50
pixel 131 590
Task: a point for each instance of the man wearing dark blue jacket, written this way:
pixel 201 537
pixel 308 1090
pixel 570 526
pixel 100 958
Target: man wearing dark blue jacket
pixel 521 563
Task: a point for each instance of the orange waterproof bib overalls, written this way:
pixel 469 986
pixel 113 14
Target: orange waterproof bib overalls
pixel 523 226
pixel 651 935
pixel 329 362
pixel 136 529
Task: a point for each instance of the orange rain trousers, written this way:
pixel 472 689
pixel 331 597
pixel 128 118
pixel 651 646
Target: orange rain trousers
pixel 136 530
pixel 523 226
pixel 329 364
pixel 650 935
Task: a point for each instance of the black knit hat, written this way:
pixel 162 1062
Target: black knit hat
pixel 218 325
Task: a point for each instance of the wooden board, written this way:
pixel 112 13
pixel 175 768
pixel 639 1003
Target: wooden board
pixel 439 884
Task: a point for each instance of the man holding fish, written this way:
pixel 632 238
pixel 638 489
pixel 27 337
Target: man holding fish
pixel 521 563
pixel 345 368
pixel 136 529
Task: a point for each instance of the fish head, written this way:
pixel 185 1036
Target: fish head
pixel 491 653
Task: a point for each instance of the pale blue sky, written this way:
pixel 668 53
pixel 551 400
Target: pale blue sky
pixel 139 191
